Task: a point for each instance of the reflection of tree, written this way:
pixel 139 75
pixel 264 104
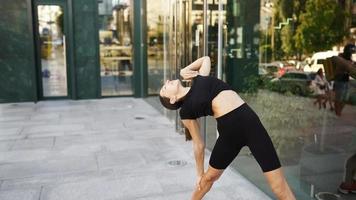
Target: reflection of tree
pixel 286 118
pixel 317 25
pixel 322 26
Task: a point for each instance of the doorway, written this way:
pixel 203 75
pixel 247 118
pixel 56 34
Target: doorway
pixel 51 31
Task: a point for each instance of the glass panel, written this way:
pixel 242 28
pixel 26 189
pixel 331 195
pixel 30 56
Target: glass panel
pixel 260 40
pixel 314 144
pixel 213 17
pixel 157 17
pixel 52 50
pixel 162 47
pixel 115 37
pixel 197 27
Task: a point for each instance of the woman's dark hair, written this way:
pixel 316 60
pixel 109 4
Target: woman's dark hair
pixel 320 72
pixel 165 102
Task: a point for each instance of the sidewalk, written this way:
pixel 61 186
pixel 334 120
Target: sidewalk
pixel 109 149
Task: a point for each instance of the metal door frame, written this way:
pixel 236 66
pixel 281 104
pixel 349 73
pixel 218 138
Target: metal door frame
pixel 68 32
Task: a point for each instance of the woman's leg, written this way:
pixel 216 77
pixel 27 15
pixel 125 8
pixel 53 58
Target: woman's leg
pixel 325 99
pixel 320 97
pixel 279 185
pixel 262 148
pixel 331 99
pixel 206 182
pixel 225 150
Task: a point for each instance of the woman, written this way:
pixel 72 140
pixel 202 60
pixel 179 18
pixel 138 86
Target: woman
pixel 321 85
pixel 238 126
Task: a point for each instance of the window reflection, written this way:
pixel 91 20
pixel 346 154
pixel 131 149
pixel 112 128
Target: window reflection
pixel 156 18
pixel 52 50
pixel 115 40
pixel 274 77
pixel 295 104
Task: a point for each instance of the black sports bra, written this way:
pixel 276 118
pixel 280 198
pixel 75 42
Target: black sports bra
pixel 198 101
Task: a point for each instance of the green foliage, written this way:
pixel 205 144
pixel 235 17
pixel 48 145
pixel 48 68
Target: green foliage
pixel 288 40
pixel 299 7
pixel 284 38
pixel 278 51
pixel 322 25
pixel 287 118
pixel 286 8
pixel 252 84
pixel 266 52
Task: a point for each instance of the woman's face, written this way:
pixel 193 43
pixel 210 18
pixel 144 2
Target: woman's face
pixel 170 88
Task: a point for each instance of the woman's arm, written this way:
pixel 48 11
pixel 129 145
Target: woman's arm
pixel 198 145
pixel 319 81
pixel 201 65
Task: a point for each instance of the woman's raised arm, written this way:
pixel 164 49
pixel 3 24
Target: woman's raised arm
pixel 199 67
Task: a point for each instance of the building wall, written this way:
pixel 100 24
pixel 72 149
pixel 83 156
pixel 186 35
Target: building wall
pixel 17 69
pixel 86 49
pixel 242 65
pixel 17 52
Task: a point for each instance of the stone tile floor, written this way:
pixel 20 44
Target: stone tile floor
pixel 106 149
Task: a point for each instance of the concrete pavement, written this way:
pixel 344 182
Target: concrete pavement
pixel 108 149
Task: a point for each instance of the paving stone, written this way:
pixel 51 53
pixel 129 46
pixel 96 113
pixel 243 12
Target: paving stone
pixel 132 187
pixel 53 128
pixel 5 145
pixel 58 179
pixel 33 168
pixel 34 143
pixel 20 194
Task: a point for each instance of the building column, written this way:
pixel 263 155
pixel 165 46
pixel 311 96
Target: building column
pixel 140 48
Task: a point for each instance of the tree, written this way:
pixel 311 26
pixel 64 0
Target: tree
pixel 286 11
pixel 322 25
pixel 287 39
pixel 286 8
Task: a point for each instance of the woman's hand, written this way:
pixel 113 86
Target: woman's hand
pixel 187 74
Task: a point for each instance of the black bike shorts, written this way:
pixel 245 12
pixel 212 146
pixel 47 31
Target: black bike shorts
pixel 238 128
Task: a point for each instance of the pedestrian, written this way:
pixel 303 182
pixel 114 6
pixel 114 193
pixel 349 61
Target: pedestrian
pixel 330 94
pixel 344 68
pixel 320 88
pixel 237 123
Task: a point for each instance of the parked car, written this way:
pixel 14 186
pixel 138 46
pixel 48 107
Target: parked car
pixel 282 64
pixel 283 67
pixel 295 82
pixel 284 70
pixel 269 70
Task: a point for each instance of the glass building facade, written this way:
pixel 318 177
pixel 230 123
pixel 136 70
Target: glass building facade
pixel 247 42
pixel 115 38
pixel 267 50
